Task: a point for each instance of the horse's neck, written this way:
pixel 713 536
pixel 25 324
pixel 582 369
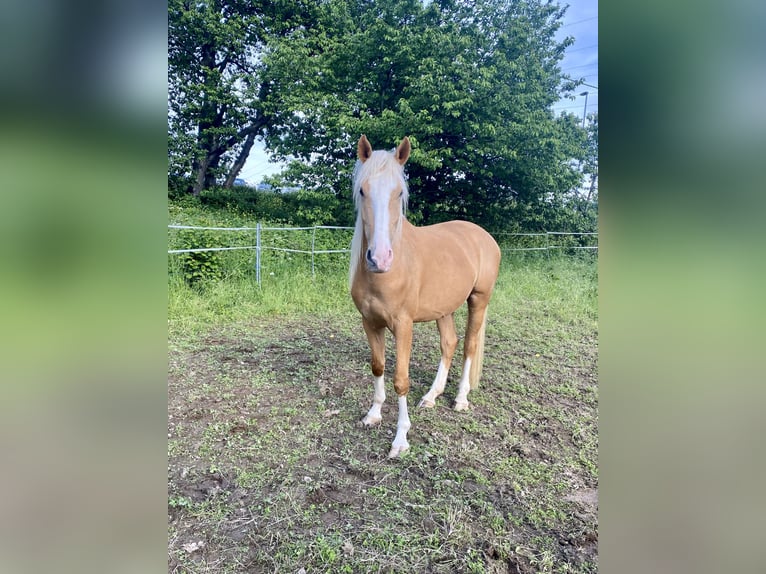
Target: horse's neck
pixel 407 229
pixel 401 241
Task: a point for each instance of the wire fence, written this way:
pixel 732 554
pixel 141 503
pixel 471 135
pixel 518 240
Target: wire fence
pixel 276 242
pixel 332 239
pixel 549 240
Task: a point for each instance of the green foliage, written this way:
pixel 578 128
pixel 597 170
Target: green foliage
pixel 302 208
pixel 178 185
pixel 201 266
pixel 217 101
pixel 472 84
pixel 230 288
pixel 590 168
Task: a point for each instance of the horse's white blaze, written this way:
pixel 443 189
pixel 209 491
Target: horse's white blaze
pixel 380 242
pixel 400 443
pixel 384 177
pixel 461 400
pixel 437 388
pixel 373 415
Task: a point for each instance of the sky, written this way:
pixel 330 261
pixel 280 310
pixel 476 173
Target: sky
pixel 580 61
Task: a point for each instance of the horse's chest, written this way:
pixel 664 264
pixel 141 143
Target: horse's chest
pixel 371 307
pixel 377 308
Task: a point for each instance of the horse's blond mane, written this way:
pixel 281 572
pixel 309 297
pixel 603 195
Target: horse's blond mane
pixel 380 165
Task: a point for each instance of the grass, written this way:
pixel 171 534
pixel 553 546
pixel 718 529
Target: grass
pixel 192 311
pixel 268 470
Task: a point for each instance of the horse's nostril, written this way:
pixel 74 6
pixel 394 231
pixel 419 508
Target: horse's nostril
pixel 369 256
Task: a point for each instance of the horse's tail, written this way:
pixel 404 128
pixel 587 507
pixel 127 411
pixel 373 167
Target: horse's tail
pixel 475 374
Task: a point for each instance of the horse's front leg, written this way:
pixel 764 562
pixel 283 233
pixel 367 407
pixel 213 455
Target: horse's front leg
pixel 376 336
pixel 403 335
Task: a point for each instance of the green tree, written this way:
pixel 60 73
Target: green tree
pixel 471 83
pixel 590 163
pixel 218 102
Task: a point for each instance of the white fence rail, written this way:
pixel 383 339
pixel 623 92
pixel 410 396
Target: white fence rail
pixel 548 235
pixel 259 247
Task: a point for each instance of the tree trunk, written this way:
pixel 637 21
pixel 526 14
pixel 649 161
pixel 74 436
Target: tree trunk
pixel 240 161
pixel 201 176
pixel 215 150
pixel 209 119
pixel 204 177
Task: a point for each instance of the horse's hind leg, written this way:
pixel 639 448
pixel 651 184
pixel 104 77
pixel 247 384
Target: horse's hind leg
pixel 448 336
pixel 377 339
pixel 473 348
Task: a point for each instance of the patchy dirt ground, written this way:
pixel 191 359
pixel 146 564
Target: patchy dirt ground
pixel 269 470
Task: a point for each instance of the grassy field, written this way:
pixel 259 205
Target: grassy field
pixel 269 470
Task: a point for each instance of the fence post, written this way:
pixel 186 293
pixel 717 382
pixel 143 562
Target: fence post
pixel 258 253
pixel 313 239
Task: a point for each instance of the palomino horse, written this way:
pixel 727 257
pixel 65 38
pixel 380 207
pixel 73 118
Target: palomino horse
pixel 402 274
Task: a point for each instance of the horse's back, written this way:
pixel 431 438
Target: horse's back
pixel 456 258
pixel 480 249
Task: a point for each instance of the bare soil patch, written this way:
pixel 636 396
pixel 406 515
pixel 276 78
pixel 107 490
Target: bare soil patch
pixel 269 471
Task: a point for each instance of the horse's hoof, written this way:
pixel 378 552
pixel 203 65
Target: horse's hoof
pixel 461 406
pixel 397 451
pixel 426 404
pixel 369 421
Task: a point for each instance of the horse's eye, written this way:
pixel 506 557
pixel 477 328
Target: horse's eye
pixel 361 193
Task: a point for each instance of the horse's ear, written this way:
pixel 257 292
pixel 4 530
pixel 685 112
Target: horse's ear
pixel 403 151
pixel 363 149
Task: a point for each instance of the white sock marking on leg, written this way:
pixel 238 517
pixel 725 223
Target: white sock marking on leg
pixel 400 443
pixel 461 400
pixel 373 415
pixel 437 388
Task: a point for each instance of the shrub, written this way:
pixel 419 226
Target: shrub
pixel 200 266
pixel 301 208
pixel 178 186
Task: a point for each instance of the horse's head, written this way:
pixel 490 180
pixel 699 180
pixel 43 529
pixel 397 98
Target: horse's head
pixel 380 193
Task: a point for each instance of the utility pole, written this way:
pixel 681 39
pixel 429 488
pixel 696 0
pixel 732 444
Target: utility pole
pixel 585 109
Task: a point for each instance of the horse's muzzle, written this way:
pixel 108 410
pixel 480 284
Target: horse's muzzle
pixel 379 263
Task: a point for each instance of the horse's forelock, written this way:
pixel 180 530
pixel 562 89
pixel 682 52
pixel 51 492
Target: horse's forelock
pixel 381 164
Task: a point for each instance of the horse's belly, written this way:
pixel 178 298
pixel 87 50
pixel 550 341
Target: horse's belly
pixel 442 299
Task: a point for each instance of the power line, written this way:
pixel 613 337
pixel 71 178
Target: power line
pixel 261 168
pixel 580 21
pixel 253 172
pixel 580 49
pixel 578 106
pixel 581 66
pixel 586 76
